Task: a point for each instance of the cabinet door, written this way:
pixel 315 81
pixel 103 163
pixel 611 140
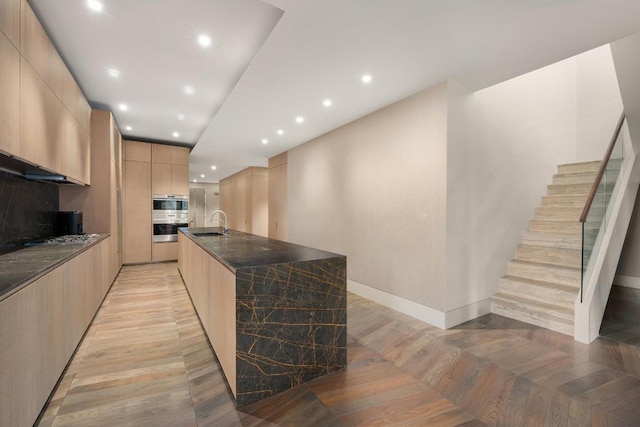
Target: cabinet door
pixel 278 202
pixel 179 156
pixel 40 119
pixel 138 230
pixel 34 43
pixel 9 96
pixel 74 158
pixel 180 180
pixel 139 151
pixel 10 20
pixel 161 153
pixel 74 100
pixel 164 251
pixel 79 298
pixel 33 353
pixel 161 178
pixel 53 70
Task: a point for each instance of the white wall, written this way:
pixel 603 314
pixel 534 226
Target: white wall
pixel 374 190
pixel 508 142
pixel 429 197
pixel 599 104
pixel 626 54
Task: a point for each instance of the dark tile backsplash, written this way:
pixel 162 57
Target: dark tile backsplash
pixel 27 210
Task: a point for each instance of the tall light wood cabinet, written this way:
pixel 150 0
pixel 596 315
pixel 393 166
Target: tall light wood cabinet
pixel 138 231
pixel 244 197
pixel 100 202
pixel 278 188
pixel 150 169
pixel 9 95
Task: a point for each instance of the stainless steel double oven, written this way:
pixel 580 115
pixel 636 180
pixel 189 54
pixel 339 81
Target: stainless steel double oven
pixel 170 212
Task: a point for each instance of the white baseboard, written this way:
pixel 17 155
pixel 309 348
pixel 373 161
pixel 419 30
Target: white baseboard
pixel 627 281
pixel 467 312
pixel 442 320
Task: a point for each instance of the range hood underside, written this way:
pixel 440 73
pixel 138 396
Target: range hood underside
pixel 28 170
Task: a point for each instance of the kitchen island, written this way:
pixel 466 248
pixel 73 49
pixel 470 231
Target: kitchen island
pixel 274 312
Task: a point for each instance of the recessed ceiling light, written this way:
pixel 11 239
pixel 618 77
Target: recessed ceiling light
pixel 188 90
pixel 94 5
pixel 123 107
pixel 280 132
pixel 265 141
pixel 204 40
pixel 201 176
pixel 299 119
pixel 176 134
pixel 214 167
pixel 327 103
pixel 128 128
pixel 195 180
pixel 366 79
pixel 114 73
pixel 180 116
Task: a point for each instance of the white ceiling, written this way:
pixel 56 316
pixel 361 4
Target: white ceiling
pixel 266 67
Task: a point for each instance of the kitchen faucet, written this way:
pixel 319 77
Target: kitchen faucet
pixel 225 230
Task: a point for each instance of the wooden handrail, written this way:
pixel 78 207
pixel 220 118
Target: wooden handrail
pixel 601 170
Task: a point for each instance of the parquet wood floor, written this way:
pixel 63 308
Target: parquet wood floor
pixel 145 361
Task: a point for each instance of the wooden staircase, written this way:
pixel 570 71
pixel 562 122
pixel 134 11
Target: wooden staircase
pixel 543 281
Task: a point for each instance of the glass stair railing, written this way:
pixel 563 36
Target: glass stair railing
pixel 595 215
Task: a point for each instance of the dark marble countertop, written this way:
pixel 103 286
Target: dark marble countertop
pixel 238 250
pixel 22 267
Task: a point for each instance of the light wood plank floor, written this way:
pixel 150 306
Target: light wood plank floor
pixel 145 361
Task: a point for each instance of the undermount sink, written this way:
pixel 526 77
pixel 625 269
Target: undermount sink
pixel 208 233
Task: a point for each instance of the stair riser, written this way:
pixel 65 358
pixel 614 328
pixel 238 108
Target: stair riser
pixel 551 240
pixel 563 213
pixel 574 179
pixel 567 227
pixel 590 167
pixel 568 189
pixel 562 189
pixel 568 277
pixel 540 293
pixel 566 200
pixel 562 257
pixel 542 319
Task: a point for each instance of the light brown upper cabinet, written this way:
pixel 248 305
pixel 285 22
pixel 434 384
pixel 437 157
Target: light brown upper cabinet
pixel 10 20
pixel 161 153
pixel 179 156
pixel 134 150
pixel 75 101
pixel 9 96
pixel 34 43
pixel 170 170
pixel 41 120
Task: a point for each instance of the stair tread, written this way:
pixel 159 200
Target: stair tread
pixel 534 282
pixel 541 305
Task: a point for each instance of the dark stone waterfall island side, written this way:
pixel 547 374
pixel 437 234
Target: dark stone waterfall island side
pixel 290 310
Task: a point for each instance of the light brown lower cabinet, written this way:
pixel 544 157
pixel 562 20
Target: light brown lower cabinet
pixel 212 288
pixel 40 327
pixel 164 251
